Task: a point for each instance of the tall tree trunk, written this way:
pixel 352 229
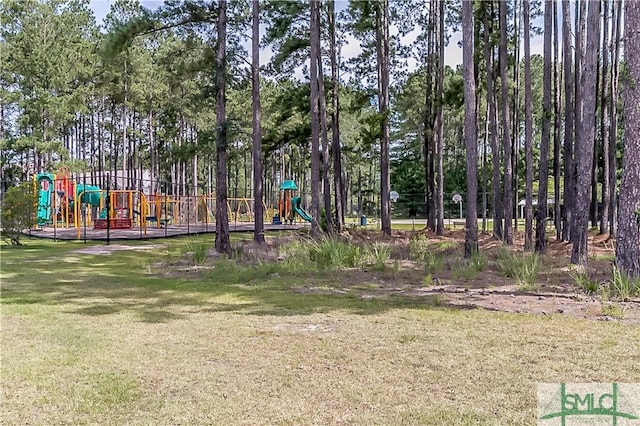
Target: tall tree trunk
pixel 256 153
pixel 604 115
pixel 557 125
pixel 429 124
pixel 613 133
pixel 628 246
pixel 223 244
pixel 326 187
pixel 382 17
pixel 315 119
pixel 338 182
pixel 440 122
pixel 585 141
pixel 581 15
pixel 506 139
pixel 569 123
pixel 528 129
pixel 485 142
pixel 498 211
pixel 541 212
pixel 470 131
pixel 515 136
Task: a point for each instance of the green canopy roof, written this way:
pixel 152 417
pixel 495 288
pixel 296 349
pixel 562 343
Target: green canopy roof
pixel 289 184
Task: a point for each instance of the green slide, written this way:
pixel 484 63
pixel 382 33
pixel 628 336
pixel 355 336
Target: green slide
pixel 88 194
pixel 295 204
pixel 44 198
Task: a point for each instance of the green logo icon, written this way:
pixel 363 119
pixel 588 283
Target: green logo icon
pixel 568 404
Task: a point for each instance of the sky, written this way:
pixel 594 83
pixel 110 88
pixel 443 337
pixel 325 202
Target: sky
pixel 453 52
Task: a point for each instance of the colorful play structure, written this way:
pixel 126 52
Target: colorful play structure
pixel 65 203
pixel 62 202
pixel 288 205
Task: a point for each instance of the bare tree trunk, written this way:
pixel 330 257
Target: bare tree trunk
pixel 585 141
pixel 470 131
pixel 506 139
pixel 498 212
pixel 581 14
pixel 315 119
pixel 613 133
pixel 569 123
pixel 440 122
pixel 557 125
pixel 338 182
pixel 541 213
pixel 223 244
pixel 628 242
pixel 528 129
pixel 382 17
pixel 258 229
pixel 326 187
pixel 429 124
pixel 515 117
pixel 604 115
pixel 485 142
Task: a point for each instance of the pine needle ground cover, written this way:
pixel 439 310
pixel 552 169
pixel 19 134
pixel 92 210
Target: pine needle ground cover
pixel 142 337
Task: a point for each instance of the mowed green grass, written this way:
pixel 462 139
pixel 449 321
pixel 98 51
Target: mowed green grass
pixel 121 339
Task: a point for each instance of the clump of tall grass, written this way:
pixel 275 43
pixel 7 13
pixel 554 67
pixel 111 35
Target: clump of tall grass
pixel 419 248
pixel 378 255
pixel 523 267
pixel 334 253
pixel 585 282
pixel 623 286
pixel 198 251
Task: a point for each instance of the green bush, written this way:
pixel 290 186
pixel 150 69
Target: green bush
pixel 18 212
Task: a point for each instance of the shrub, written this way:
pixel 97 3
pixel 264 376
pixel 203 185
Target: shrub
pixel 18 212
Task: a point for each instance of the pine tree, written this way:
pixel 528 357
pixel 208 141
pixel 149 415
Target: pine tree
pixel 470 132
pixel 628 241
pixel 585 140
pixel 541 214
pixel 258 232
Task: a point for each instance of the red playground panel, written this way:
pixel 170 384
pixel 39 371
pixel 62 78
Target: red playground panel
pixel 116 223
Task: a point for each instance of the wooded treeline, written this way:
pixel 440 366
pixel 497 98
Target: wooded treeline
pixel 179 92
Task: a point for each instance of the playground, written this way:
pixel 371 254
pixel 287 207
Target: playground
pixel 67 209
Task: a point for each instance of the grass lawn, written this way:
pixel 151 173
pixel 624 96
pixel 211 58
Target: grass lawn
pixel 125 339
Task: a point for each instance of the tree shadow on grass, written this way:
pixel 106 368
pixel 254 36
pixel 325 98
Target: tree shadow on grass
pixel 108 285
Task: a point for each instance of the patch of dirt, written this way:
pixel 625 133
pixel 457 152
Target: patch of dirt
pixel 555 293
pixel 108 249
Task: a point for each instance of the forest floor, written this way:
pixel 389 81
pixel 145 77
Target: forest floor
pixel 553 290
